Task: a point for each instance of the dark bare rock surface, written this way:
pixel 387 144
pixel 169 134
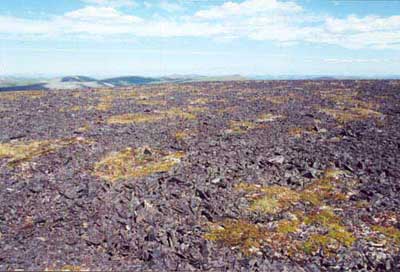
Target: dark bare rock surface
pixel 222 176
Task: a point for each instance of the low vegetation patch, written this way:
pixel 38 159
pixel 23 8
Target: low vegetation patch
pixel 134 118
pixel 134 163
pixel 242 234
pixel 149 102
pixel 184 134
pixel 269 117
pixel 274 199
pixel 351 114
pixel 21 94
pixel 332 236
pixel 240 127
pixel 349 108
pixel 298 132
pixel 150 117
pixel 319 226
pixel 69 268
pixel 390 232
pixel 199 101
pixel 277 99
pixel 19 152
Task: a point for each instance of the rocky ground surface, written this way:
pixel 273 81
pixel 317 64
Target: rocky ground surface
pixel 232 176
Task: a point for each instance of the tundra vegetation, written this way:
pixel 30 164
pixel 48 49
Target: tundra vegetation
pixel 238 176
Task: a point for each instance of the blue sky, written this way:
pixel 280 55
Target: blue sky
pixel 211 37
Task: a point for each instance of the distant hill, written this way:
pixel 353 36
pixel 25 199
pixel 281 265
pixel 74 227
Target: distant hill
pixel 218 78
pixel 31 87
pixel 77 79
pixel 129 80
pixel 84 82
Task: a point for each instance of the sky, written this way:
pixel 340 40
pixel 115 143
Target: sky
pixel 105 38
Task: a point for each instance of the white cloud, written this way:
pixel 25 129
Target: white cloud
pixel 170 6
pixel 101 15
pixel 285 23
pixel 147 4
pixel 365 24
pixel 336 61
pixel 247 8
pixel 111 3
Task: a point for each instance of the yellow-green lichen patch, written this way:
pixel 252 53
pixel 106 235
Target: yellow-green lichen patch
pixel 391 232
pixel 300 131
pixel 304 231
pixel 184 134
pixel 178 113
pixel 333 236
pixel 228 109
pixel 151 102
pixel 349 100
pixel 269 117
pixel 21 94
pixel 345 115
pixel 333 173
pixel 150 117
pixel 237 233
pixel 72 108
pixel 84 128
pixel 196 109
pixel 199 101
pixel 134 118
pixel 103 106
pixel 277 99
pixel 270 199
pixel 20 152
pixel 321 190
pixel 134 163
pixel 105 103
pixel 286 226
pixel 240 127
pixel 68 268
